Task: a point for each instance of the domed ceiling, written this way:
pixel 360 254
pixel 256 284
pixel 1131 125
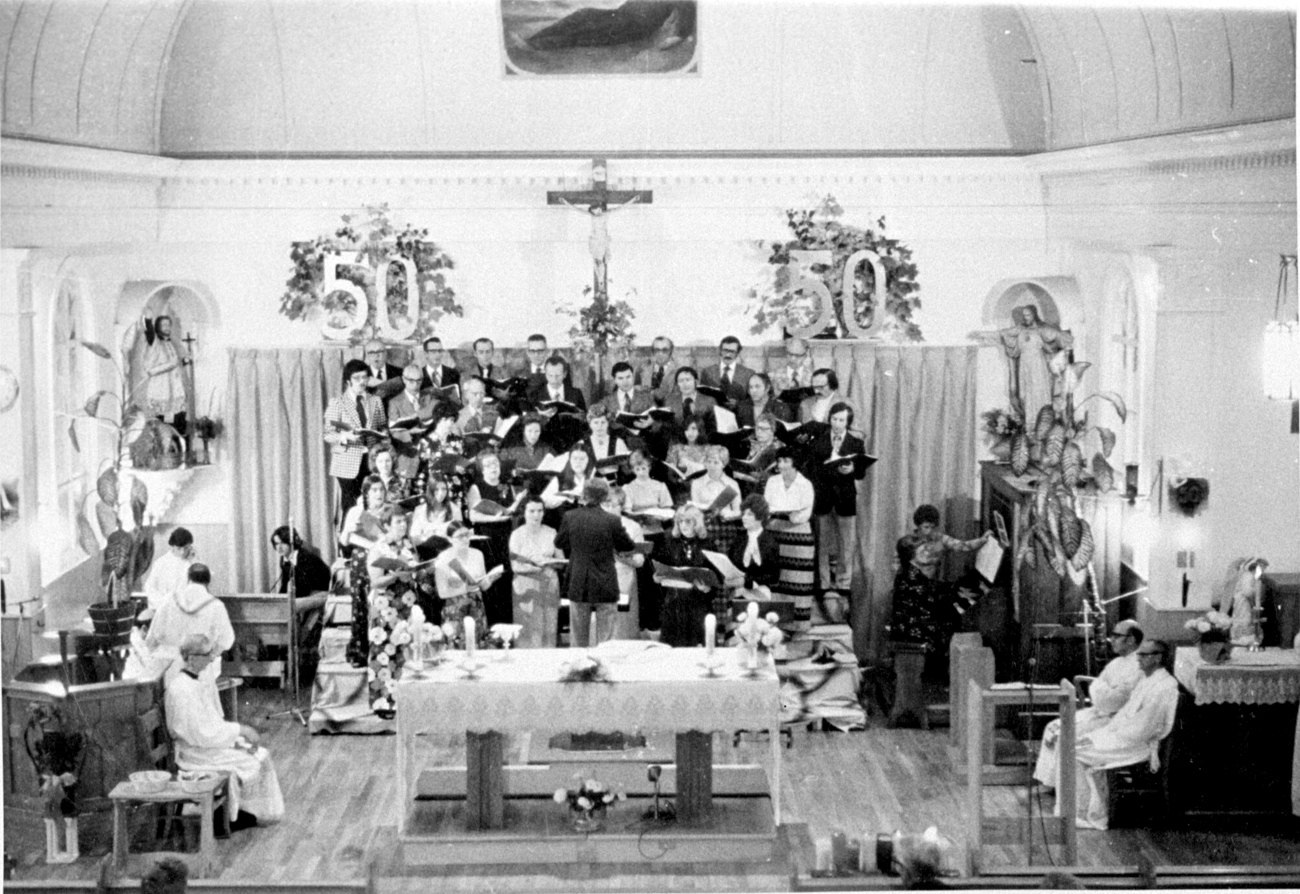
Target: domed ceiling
pixel 258 78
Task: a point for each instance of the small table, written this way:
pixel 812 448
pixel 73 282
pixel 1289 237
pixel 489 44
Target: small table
pixel 124 794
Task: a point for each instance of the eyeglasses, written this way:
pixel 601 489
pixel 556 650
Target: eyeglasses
pixel 1156 653
pixel 412 381
pixel 662 350
pixel 730 352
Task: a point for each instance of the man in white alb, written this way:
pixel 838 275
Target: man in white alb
pixel 170 572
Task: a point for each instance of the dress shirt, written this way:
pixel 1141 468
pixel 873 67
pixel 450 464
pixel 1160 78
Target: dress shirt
pixel 797 499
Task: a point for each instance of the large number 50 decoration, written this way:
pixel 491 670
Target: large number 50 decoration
pixel 802 280
pixel 384 327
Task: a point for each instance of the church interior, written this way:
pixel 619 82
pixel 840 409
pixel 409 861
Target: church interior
pixel 964 213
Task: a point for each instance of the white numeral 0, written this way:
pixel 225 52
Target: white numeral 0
pixel 384 328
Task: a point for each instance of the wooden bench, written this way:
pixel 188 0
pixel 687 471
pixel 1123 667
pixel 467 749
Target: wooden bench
pixel 261 620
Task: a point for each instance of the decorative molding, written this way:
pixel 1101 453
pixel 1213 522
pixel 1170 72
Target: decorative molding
pixel 43 172
pixel 1246 161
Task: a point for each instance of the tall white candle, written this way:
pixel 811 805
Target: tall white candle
pixel 710 633
pixel 752 611
pixel 417 637
pixel 471 637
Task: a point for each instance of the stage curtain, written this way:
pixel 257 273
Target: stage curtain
pixel 916 406
pixel 279 460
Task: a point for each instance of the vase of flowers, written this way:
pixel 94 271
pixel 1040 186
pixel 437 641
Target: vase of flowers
pixel 1001 426
pixel 755 633
pixel 1212 640
pixel 587 803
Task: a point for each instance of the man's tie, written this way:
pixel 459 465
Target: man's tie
pixel 361 411
pixel 726 379
pixel 626 402
pixel 657 379
pixel 688 407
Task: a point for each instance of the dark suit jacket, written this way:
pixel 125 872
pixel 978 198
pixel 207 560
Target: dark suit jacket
pixel 703 407
pixel 667 385
pixel 311 574
pixel 739 390
pixel 767 573
pixel 539 393
pixel 745 411
pixel 833 492
pixel 590 537
pixel 640 401
pixel 450 376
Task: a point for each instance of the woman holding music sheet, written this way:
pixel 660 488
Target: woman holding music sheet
pixel 460 575
pixel 431 518
pixel 644 493
pixel 709 493
pixel 362 528
pixel 495 520
pixel 685 604
pixel 536 583
pixel 790 497
pixel 393 593
pixel 600 444
pixel 564 491
pixel 526 457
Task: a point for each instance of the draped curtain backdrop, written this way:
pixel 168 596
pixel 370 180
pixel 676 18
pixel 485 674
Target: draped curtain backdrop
pixel 915 404
pixel 279 457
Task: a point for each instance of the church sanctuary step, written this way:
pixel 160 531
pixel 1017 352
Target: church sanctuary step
pixel 738 830
pixel 535 781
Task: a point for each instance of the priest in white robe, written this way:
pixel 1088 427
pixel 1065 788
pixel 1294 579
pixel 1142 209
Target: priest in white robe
pixel 205 741
pixel 170 571
pixel 1109 692
pixel 194 611
pixel 1133 735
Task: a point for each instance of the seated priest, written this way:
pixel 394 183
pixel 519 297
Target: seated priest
pixel 1132 736
pixel 1109 692
pixel 207 742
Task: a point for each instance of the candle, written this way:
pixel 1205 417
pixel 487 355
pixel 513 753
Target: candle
pixel 417 638
pixel 710 633
pixel 752 611
pixel 471 637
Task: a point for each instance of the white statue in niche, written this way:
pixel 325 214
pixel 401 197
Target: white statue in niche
pixel 160 363
pixel 1029 344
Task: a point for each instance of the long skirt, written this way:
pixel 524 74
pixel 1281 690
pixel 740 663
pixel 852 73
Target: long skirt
pixel 798 562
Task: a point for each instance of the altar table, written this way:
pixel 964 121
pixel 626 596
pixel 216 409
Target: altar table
pixel 649 688
pixel 1244 700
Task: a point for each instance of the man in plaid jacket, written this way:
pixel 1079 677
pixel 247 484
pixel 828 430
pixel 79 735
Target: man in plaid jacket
pixel 345 418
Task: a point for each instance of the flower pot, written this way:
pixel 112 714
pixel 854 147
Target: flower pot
pixel 586 821
pixel 1001 452
pixel 113 621
pixel 1214 652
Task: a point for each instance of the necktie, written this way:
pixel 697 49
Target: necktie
pixel 657 379
pixel 361 411
pixel 726 378
pixel 625 400
pixel 436 378
pixel 835 445
pixel 688 407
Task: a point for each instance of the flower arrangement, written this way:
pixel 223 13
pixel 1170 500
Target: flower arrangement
pixel 777 298
pixel 391 636
pixel 586 668
pixel 758 632
pixel 587 802
pixel 1211 627
pixel 370 236
pixel 601 324
pixel 502 636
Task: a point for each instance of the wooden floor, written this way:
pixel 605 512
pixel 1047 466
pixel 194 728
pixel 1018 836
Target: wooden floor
pixel 341 797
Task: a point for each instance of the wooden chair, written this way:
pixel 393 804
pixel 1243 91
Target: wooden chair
pixel 1137 782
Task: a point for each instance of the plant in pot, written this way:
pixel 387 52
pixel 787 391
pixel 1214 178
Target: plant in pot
pixel 127 554
pixel 56 750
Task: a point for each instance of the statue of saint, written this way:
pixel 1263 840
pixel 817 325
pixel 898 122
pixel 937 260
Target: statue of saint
pixel 1029 344
pixel 163 387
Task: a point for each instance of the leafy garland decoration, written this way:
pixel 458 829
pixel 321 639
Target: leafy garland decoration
pixel 774 303
pixel 601 324
pixel 370 236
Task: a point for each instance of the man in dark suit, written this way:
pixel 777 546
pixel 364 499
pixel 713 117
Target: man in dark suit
pixel 626 396
pixel 436 372
pixel 835 488
pixel 383 375
pixel 590 537
pixel 354 409
pixel 660 374
pixel 729 375
pixel 554 387
pixel 485 360
pixel 411 401
pixel 686 402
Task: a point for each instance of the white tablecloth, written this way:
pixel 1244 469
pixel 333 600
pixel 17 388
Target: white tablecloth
pixel 1268 677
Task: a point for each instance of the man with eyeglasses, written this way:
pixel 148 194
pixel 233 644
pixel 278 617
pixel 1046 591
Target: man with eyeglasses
pixel 381 371
pixel 436 372
pixel 410 402
pixel 728 375
pixel 1132 736
pixel 534 369
pixel 660 374
pixel 1108 693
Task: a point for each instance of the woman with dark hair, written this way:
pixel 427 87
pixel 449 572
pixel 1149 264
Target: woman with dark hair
pixel 496 551
pixel 527 456
pixel 298 562
pixel 756 552
pixel 362 528
pixel 461 576
pixel 536 584
pixel 431 518
pixel 761 400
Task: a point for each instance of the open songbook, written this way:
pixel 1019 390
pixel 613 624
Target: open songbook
pixel 558 406
pixel 415 424
pixel 689 471
pixel 511 385
pixel 654 413
pixel 643 547
pixel 398 565
pixel 366 434
pixel 720 396
pixel 457 567
pixel 744 470
pixel 651 513
pixel 448 392
pixel 724 421
pixel 861 462
pixel 722 500
pixel 796 395
pixel 731 575
pixel 494 437
pixel 492 507
pixel 551 562
pixel 685 575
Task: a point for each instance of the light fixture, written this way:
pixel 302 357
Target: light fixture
pixel 1282 338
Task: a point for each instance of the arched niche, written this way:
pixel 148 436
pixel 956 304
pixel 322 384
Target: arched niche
pixel 1058 299
pixel 194 314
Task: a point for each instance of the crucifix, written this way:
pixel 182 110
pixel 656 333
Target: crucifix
pixel 191 400
pixel 600 202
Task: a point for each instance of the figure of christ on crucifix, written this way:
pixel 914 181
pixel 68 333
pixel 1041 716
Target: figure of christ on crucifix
pixel 600 202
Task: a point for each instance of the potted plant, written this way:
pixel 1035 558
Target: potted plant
pixel 56 751
pixel 587 803
pixel 1212 636
pixel 1001 426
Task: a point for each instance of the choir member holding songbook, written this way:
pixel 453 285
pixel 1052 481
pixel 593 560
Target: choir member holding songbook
pixel 648 502
pixel 410 415
pixel 555 394
pixel 436 373
pixel 525 457
pixel 434 514
pixel 718 496
pixel 756 553
pixel 461 577
pixel 687 402
pixel 353 420
pixel 476 415
pixel 362 529
pixel 841 461
pixel 384 463
pixel 492 505
pixel 729 376
pixel 790 500
pixel 605 449
pixel 758 462
pixel 565 490
pixel 759 401
pixel 402 573
pixel 535 562
pixel 687 596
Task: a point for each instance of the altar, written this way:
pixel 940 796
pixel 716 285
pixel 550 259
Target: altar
pixel 1239 750
pixel 451 814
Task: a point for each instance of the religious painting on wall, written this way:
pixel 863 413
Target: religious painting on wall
pixel 600 37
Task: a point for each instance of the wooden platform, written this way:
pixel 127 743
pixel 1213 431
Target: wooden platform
pixel 537 832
